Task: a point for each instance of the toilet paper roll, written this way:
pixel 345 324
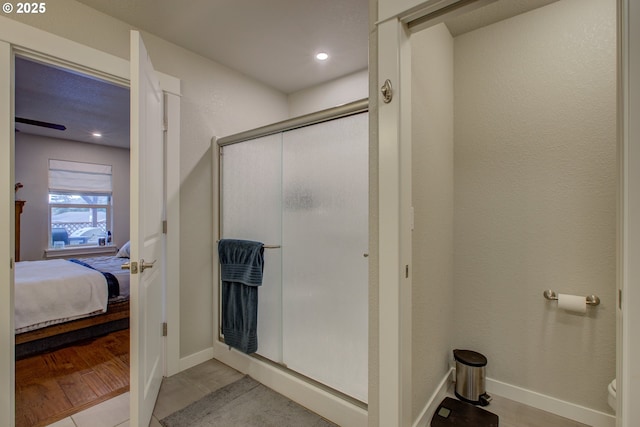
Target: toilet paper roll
pixel 572 303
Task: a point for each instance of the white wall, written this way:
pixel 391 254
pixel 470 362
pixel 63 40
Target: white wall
pixel 352 87
pixel 432 176
pixel 31 169
pixel 535 197
pixel 215 101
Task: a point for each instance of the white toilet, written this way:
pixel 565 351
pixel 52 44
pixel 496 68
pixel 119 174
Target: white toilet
pixel 612 394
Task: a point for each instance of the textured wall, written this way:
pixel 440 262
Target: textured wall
pixel 32 169
pixel 535 197
pixel 215 101
pixel 432 170
pixel 352 87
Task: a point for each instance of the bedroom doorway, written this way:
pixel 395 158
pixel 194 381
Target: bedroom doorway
pixel 22 39
pixel 74 119
pixel 67 120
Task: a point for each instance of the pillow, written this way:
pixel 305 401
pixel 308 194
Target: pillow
pixel 124 251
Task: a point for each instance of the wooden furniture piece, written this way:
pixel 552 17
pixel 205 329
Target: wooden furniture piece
pixel 19 207
pixel 71 331
pixel 34 342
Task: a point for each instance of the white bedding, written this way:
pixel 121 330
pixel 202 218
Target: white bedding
pixel 55 291
pixel 113 265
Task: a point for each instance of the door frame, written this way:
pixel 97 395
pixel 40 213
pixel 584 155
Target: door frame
pixel 628 340
pixel 7 230
pixel 50 48
pixel 394 226
pixel 394 138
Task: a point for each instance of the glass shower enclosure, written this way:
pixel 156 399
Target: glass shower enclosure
pixel 305 191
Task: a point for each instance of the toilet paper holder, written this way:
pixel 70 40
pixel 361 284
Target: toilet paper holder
pixel 552 296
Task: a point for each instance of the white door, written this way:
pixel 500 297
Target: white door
pixel 7 400
pixel 147 238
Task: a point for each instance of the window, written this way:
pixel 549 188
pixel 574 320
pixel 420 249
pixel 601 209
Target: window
pixel 79 203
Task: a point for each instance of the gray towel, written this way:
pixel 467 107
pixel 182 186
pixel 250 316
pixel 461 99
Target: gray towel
pixel 242 263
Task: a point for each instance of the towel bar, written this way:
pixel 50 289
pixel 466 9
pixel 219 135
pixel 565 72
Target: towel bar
pixel 264 246
pixel 551 295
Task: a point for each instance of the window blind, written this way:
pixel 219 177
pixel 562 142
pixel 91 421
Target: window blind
pixel 66 176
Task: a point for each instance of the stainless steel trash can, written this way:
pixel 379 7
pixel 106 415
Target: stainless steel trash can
pixel 470 377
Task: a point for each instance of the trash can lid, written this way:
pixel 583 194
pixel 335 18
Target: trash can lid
pixel 471 358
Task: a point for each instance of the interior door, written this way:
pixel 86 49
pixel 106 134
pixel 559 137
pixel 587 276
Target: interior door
pixel 146 234
pixel 7 398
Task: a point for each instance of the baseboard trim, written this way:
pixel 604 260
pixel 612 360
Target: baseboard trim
pixel 345 413
pixel 534 399
pixel 559 407
pixel 195 359
pixel 437 397
pixel 319 401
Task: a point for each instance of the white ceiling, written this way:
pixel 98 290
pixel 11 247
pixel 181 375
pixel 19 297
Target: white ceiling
pixel 492 13
pixel 80 103
pixel 273 41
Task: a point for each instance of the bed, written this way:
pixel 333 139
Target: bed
pixel 59 302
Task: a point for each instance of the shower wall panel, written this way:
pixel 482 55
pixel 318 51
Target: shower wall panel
pixel 307 190
pixel 325 235
pixel 251 210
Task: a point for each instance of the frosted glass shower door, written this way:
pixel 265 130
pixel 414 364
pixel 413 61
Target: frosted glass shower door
pixel 324 241
pixel 251 210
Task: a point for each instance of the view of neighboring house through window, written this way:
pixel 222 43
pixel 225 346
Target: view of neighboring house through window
pixel 79 203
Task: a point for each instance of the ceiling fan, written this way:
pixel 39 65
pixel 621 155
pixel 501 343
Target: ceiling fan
pixel 41 124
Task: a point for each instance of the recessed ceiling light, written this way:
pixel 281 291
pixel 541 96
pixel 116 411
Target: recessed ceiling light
pixel 97 134
pixel 322 56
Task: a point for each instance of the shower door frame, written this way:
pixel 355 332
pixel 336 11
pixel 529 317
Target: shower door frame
pixel 320 398
pixel 345 110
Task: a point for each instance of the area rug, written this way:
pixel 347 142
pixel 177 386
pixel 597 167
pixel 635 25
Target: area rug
pixel 245 402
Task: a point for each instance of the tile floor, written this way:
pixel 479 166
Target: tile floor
pixel 514 414
pixel 176 393
pixel 186 387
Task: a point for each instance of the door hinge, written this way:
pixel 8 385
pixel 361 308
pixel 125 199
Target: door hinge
pixel 412 220
pixel 10 263
pixel 164 329
pixel 165 125
pixel 406 271
pixel 164 227
pixel 620 299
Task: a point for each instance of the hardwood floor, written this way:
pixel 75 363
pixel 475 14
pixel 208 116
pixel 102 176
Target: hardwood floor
pixel 54 385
